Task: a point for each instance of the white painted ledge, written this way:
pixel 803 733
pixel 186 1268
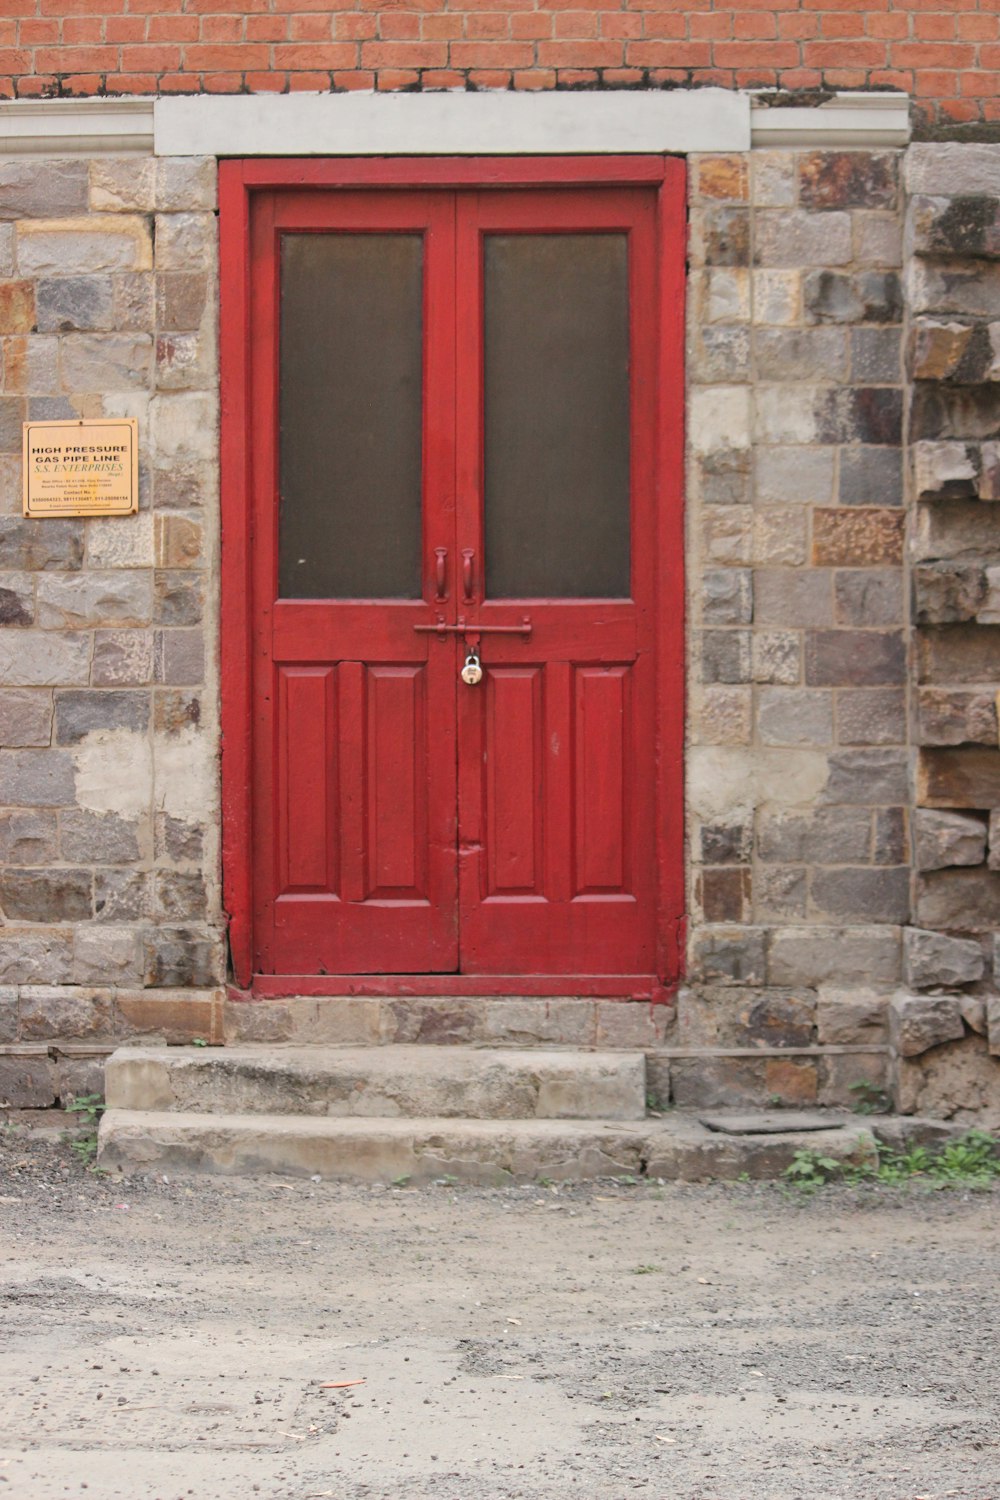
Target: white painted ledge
pixel 497 123
pixel 75 127
pixel 845 120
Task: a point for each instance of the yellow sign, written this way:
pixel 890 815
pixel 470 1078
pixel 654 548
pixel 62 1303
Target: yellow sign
pixel 81 468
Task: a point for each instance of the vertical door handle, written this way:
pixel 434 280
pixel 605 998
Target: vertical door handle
pixel 468 580
pixel 441 573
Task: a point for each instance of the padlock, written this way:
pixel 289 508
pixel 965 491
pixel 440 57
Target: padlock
pixel 472 672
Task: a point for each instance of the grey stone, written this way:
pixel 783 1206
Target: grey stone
pixel 795 716
pixel 43 658
pixel 720 236
pixel 76 247
pixel 776 656
pixel 180 896
pixel 31 546
pixel 179 657
pixel 726 843
pixel 28 838
pixel 824 836
pixel 800 354
pixel 99 838
pixel 186 183
pixel 871 476
pixel 854 658
pixel 734 955
pixel 939 411
pixel 30 190
pixel 878 239
pixel 993 1024
pixel 959 900
pixel 8 1014
pixel 111 955
pixel 180 299
pixel 860 413
pixel 945 593
pixel 862 895
pixel 123 183
pixel 120 597
pixel 27 1082
pixel 776 1020
pixel 35 957
pixel 179 840
pixel 793 596
pixel 185 241
pixel 36 778
pixel 932 959
pixel 851 1018
pixel 947 838
pixel 953 167
pixel 792 237
pixel 994 859
pixel 838 955
pixel 957 654
pixel 134 301
pixel 69 303
pixel 178 956
pixel 106 362
pixel 869 297
pixel 46 895
pixel 122 895
pixel 876 356
pixel 12 414
pixel 891 843
pixel 122 658
pixel 781 893
pixel 871 716
pixel 727 596
pixel 947 471
pixel 919 1022
pixel 178 597
pixel 81 713
pixel 868 596
pixel 792 475
pixel 17 599
pixel 725 656
pixel 50 1011
pixel 25 717
pixel 946 717
pixel 966 227
pixel 867 777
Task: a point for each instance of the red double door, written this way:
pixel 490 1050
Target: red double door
pixel 453 425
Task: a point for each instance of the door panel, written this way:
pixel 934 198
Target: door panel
pixel 555 380
pixel 353 380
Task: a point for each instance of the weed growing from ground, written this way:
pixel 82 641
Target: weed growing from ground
pixel 970 1161
pixel 88 1109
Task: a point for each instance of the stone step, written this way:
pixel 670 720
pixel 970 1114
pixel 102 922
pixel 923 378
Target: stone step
pixel 440 1082
pixel 484 1152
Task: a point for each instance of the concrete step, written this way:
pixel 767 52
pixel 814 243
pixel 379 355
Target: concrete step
pixel 484 1152
pixel 437 1082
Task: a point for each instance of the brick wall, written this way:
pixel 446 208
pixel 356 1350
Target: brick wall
pixel 945 53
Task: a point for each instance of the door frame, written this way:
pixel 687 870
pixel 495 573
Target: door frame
pixel 238 180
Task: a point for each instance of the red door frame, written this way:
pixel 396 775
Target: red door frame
pixel 237 181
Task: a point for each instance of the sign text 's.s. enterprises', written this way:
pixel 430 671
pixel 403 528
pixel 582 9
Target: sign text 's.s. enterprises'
pixel 85 468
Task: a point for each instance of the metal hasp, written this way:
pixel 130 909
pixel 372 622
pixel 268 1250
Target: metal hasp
pixel 466 627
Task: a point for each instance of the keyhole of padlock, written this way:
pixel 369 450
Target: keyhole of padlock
pixel 472 672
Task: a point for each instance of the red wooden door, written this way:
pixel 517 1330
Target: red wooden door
pixel 454 427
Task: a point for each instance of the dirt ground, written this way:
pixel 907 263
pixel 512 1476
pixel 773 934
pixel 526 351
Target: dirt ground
pixel 171 1339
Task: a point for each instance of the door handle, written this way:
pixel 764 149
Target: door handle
pixel 440 574
pixel 468 573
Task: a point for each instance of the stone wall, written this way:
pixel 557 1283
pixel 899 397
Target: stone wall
pixel 109 839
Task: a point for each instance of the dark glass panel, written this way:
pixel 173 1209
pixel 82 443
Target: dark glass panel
pixel 557 416
pixel 351 410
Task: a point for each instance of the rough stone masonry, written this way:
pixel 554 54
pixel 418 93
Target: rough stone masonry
pixel 843 769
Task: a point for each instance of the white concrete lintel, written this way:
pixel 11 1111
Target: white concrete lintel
pixel 75 127
pixel 847 119
pixel 453 123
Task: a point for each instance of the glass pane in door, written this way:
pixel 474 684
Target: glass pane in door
pixel 351 415
pixel 556 390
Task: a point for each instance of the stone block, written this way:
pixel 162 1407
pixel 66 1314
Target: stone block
pixel 727 535
pixel 781 893
pixel 919 1022
pixel 854 658
pixel 871 716
pixel 855 1079
pixel 134 301
pixel 71 303
pixel 786 414
pixel 795 716
pixel 718 419
pixel 25 717
pixel 943 839
pixel 966 226
pixel 773 1019
pixel 988 612
pixel 958 1080
pixel 849 179
pixel 994 836
pixel 107 955
pixel 725 656
pixel 177 709
pixel 122 658
pixel 728 843
pixel 946 593
pixel 179 657
pixel 724 895
pixel 891 845
pixel 776 656
pixel 973 1009
pixel 29 547
pixel 17 306
pixel 859 536
pixel 775 179
pixel 868 596
pixel 179 956
pixel 31 367
pixel 993 1024
pixel 800 354
pixel 958 654
pixel 776 298
pixel 833 955
pixel 187 242
pixel 878 239
pixel 871 476
pixel 787 596
pixel 123 184
pixel 876 777
pixel 824 836
pixel 939 411
pixel 59 1011
pixel 121 542
pixel 723 715
pixel 75 601
pixel 79 247
pixel 862 894
pixel 178 598
pixel 946 471
pixel 36 778
pixel 178 839
pixel 39 957
pixel 941 350
pixel 8 1014
pixel 46 895
pixel 122 895
pixel 26 192
pixel 717 1082
pixel 184 360
pixel 178 1016
pixel 780 536
pixel 181 298
pixel 28 837
pixel 99 838
pixel 81 713
pixel 724 477
pixel 794 237
pixel 721 177
pixel 876 356
pixel 726 295
pixel 851 1018
pixel 631 1025
pixel 178 540
pixel 27 1082
pixel 867 297
pixel 932 960
pixel 106 362
pixel 860 414
pixel 17 599
pixel 179 896
pixel 186 184
pixel 729 955
pixel 795 474
pixel 953 168
pixel 968 776
pixel 959 900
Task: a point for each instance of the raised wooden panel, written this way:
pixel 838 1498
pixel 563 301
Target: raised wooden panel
pixel 601 769
pixel 396 781
pixel 307 779
pixel 514 780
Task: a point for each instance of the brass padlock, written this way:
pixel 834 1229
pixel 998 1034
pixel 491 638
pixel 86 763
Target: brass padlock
pixel 472 672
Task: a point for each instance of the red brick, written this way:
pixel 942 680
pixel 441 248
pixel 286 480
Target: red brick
pixel 223 83
pixel 489 26
pixel 663 26
pixel 442 78
pixel 396 78
pixel 221 28
pixel 400 55
pixel 718 24
pixel 535 25
pixel 353 80
pixel 893 27
pixel 575 23
pixel 267 28
pixel 870 54
pixel 978 28
pixel 134 83
pixel 83 30
pixel 618 23
pixel 668 54
pixel 313 56
pixel 311 82
pixel 126 29
pixel 178 83
pixel 534 79
pixel 34 33
pixel 172 29
pixel 840 24
pixel 74 59
pixel 576 77
pixel 498 54
pixel 203 58
pixel 755 26
pixel 313 27
pixel 761 54
pixel 934 55
pixel 352 26
pixel 154 59
pixel 490 78
pixel 934 85
pixel 939 28
pixel 266 83
pixel 617 76
pixel 799 26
